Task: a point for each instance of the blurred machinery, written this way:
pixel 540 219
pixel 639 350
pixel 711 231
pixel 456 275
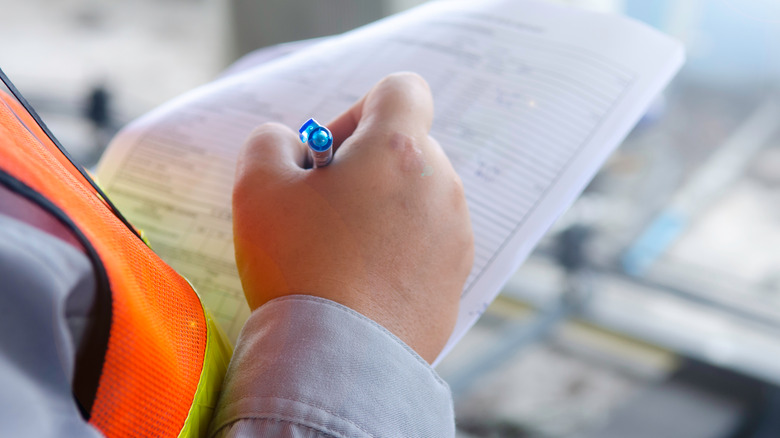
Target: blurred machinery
pixel 682 254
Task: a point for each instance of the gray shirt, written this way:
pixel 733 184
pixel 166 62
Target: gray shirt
pixel 303 366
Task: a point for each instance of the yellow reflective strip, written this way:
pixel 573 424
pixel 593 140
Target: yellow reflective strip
pixel 140 232
pixel 215 364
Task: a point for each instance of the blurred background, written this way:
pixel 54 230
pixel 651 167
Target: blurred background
pixel 652 309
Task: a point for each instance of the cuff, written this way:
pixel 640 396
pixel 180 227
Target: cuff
pixel 316 364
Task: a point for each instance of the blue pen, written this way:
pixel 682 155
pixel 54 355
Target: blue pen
pixel 320 142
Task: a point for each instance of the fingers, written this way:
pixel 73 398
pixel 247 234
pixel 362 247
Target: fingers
pixel 272 152
pixel 345 124
pixel 400 103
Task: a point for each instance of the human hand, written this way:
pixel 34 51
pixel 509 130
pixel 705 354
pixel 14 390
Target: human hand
pixel 384 229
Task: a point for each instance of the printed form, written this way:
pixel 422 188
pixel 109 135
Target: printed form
pixel 530 98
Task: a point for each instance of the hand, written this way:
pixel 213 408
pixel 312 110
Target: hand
pixel 384 229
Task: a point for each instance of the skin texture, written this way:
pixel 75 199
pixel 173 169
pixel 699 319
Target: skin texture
pixel 384 229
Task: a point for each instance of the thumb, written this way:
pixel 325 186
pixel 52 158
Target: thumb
pixel 272 153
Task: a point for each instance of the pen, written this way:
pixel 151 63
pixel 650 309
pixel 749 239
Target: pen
pixel 320 142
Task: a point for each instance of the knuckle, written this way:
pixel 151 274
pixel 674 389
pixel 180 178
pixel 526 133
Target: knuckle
pixel 404 145
pixel 402 153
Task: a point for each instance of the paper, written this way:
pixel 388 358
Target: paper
pixel 530 99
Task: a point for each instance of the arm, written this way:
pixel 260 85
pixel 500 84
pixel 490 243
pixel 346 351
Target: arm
pixel 317 367
pixel 306 366
pixel 46 290
pixel 46 295
pixel 281 383
pixel 380 242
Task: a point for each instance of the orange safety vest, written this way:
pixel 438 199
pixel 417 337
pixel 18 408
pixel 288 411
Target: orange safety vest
pixel 154 358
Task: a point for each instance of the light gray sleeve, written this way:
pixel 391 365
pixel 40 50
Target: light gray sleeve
pixel 45 286
pixel 309 367
pixel 303 366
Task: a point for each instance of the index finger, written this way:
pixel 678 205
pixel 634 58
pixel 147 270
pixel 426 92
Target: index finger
pixel 401 102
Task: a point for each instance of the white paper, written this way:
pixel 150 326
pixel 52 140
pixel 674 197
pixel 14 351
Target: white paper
pixel 531 98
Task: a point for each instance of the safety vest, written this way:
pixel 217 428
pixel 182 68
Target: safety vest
pixel 153 361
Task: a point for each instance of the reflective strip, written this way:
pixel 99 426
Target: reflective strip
pixel 215 364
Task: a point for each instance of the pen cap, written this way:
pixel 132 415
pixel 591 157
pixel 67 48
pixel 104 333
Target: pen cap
pixel 317 136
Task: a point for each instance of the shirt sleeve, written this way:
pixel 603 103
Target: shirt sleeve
pixel 309 367
pixel 303 366
pixel 46 288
